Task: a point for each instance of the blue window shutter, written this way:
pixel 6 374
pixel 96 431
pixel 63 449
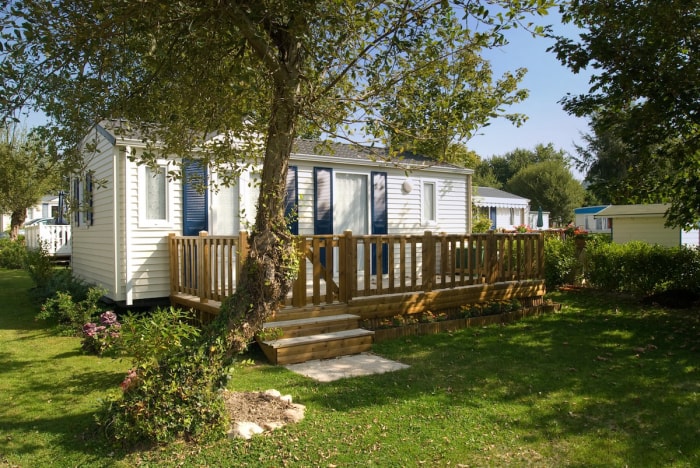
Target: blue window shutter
pixel 323 200
pixel 88 192
pixel 195 204
pixel 492 215
pixel 76 198
pixel 323 205
pixel 291 201
pixel 380 221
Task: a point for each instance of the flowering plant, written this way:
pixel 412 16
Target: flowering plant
pixel 575 231
pixel 98 338
pixel 522 228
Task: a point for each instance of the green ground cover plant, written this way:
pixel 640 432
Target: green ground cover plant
pixel 607 381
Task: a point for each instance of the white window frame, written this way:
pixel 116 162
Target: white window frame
pixel 144 221
pixel 425 221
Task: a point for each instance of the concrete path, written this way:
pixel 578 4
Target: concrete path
pixel 328 370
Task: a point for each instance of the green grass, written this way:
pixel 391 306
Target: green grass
pixel 605 383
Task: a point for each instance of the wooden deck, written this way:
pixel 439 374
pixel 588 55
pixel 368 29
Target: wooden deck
pixel 363 277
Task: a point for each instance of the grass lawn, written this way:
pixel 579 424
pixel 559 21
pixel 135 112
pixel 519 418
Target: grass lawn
pixel 604 382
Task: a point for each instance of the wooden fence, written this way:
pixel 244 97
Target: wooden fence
pixel 339 268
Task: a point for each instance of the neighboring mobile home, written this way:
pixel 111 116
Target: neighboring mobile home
pixel 646 223
pixel 505 210
pixel 120 235
pixel 586 218
pixel 46 208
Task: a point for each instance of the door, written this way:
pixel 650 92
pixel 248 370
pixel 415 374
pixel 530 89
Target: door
pixel 351 208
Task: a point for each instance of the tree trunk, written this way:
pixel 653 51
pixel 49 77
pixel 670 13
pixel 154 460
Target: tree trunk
pixel 17 218
pixel 270 268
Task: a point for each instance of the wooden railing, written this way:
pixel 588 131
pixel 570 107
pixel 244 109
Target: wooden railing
pixel 336 268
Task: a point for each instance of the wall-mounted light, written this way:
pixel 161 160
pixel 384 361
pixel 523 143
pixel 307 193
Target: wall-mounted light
pixel 407 186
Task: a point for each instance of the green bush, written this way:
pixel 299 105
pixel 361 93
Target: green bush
pixel 173 388
pixel 13 254
pixel 560 262
pixel 62 279
pixel 39 266
pixel 640 268
pixel 72 314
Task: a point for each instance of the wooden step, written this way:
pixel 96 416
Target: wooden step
pixel 309 311
pixel 319 346
pixel 314 325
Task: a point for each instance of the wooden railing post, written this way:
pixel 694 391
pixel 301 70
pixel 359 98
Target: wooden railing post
pixel 540 255
pixel 492 258
pixel 174 262
pixel 203 265
pixel 344 270
pixel 428 261
pixel 299 285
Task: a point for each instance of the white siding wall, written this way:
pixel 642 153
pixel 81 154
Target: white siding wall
pixel 591 224
pixel 403 209
pixel 645 229
pixel 503 218
pixel 118 252
pixel 147 247
pixel 93 256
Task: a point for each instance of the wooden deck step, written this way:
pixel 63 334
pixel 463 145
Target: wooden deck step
pixel 314 325
pixel 318 346
pixel 289 313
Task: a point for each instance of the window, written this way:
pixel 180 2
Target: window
pixel 512 216
pixel 153 197
pixel 429 203
pixel 83 214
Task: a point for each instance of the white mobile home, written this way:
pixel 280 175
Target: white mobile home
pixel 505 210
pixel 120 235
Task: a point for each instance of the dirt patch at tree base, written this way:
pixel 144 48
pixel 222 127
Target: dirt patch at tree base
pixel 256 412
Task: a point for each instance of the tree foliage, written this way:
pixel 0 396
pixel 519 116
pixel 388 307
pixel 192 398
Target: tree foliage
pixel 646 65
pixel 550 185
pixel 617 172
pixel 447 100
pixel 503 168
pixel 27 173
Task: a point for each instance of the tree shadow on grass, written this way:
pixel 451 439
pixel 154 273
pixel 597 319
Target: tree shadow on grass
pixel 605 368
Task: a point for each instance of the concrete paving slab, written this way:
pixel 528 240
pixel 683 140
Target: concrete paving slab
pixel 328 370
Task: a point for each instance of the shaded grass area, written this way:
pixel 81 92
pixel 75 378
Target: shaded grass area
pixel 49 390
pixel 605 382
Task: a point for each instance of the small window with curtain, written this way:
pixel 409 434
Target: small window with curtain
pixel 429 207
pixel 153 196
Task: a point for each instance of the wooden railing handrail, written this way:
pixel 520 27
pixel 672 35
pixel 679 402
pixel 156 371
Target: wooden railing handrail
pixel 339 267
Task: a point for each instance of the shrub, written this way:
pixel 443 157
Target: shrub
pixel 560 262
pixel 64 281
pixel 39 266
pixel 640 268
pixel 99 338
pixel 172 389
pixel 13 254
pixel 71 314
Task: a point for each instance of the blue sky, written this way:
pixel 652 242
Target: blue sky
pixel 548 81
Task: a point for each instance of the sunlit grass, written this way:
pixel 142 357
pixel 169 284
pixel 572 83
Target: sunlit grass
pixel 603 382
